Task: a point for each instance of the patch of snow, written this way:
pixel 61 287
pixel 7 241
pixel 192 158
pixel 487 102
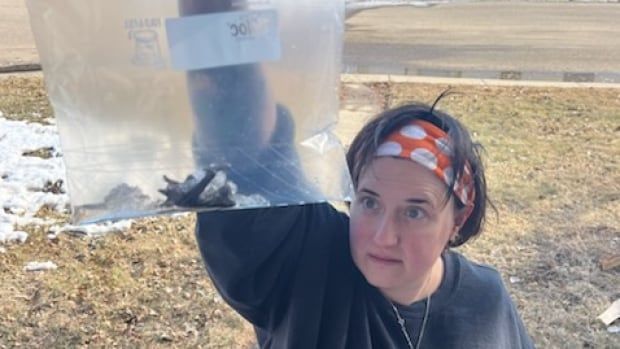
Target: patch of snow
pixel 515 279
pixel 39 266
pixel 253 200
pixel 90 230
pixel 180 215
pixel 7 232
pixel 23 179
pixel 25 220
pixel 14 235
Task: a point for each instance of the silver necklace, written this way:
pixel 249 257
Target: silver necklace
pixel 403 328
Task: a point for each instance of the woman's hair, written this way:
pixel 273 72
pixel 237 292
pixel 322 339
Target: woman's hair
pixel 363 150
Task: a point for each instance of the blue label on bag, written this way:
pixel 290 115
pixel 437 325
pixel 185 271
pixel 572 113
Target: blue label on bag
pixel 221 39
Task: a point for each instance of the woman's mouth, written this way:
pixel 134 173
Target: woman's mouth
pixel 384 260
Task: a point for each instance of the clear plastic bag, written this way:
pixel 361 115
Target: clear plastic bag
pixel 174 105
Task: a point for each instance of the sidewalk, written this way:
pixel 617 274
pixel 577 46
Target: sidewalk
pixel 17 48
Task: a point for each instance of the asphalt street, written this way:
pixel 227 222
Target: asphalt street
pixel 530 41
pixel 577 42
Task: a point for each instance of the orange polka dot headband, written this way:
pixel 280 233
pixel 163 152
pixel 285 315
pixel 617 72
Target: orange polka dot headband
pixel 429 146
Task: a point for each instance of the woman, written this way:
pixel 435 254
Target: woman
pixel 311 277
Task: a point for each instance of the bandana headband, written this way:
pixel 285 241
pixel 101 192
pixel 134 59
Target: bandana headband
pixel 429 146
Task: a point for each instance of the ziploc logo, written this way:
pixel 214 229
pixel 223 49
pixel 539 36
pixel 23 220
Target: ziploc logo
pixel 222 39
pixel 252 26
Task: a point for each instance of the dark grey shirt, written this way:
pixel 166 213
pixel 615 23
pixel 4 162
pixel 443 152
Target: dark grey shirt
pixel 289 271
pixel 471 309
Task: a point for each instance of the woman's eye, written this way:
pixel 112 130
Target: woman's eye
pixel 369 203
pixel 415 213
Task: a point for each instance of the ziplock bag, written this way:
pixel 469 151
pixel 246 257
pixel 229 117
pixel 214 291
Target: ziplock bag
pixel 166 106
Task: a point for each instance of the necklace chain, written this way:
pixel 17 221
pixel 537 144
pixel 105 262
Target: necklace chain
pixel 403 328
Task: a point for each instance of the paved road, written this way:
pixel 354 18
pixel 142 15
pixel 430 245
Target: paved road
pixel 528 41
pixel 540 41
pixel 16 41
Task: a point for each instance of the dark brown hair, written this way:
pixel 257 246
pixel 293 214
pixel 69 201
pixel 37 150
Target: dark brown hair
pixel 362 152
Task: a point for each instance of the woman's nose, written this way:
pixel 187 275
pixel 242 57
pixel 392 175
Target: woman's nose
pixel 385 233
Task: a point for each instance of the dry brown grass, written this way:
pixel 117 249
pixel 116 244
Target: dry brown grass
pixel 145 287
pixel 24 98
pixel 553 171
pixel 552 164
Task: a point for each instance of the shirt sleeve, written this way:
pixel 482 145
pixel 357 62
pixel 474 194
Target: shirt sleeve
pixel 248 252
pixel 254 257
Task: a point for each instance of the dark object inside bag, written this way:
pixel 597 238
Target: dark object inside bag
pixel 208 187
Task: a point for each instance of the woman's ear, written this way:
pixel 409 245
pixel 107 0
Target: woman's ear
pixel 461 217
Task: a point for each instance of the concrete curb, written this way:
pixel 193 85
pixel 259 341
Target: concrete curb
pixel 370 78
pixel 391 78
pixel 19 68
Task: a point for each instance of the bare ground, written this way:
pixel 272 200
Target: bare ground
pixel 553 173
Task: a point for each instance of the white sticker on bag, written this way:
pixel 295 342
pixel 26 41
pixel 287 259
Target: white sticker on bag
pixel 221 39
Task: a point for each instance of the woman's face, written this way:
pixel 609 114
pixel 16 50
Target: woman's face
pixel 400 224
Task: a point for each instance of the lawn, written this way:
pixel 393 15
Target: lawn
pixel 552 160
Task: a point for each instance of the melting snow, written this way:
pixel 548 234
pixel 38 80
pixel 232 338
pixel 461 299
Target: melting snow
pixel 25 181
pixel 38 266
